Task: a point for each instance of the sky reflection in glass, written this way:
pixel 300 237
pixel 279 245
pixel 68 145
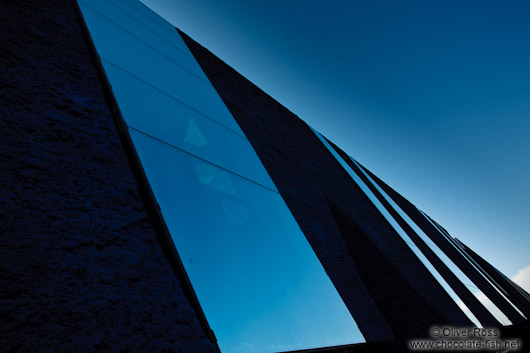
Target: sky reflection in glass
pixel 159 115
pixel 166 74
pixel 258 280
pixel 260 284
pixel 445 259
pixel 494 310
pixel 397 228
pixel 140 27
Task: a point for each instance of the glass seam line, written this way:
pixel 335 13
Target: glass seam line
pixel 146 192
pixel 155 21
pixel 147 44
pixel 148 14
pixel 202 159
pixel 469 299
pixel 479 270
pixel 146 26
pixel 178 100
pixel 140 132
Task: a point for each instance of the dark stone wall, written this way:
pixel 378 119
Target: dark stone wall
pixel 286 147
pixel 307 176
pixel 81 267
pixel 376 274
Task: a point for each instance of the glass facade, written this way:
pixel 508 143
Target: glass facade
pixel 258 281
pixel 494 309
pixel 396 227
pixel 441 255
pixel 480 296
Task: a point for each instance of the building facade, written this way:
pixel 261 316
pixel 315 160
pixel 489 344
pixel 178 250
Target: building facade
pixel 156 200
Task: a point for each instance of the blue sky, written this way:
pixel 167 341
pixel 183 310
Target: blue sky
pixel 432 96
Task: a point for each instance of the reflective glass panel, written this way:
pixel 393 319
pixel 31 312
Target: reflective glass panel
pixel 154 68
pixel 395 225
pixel 172 48
pixel 258 280
pixel 441 255
pixel 153 21
pixel 161 116
pixel 161 23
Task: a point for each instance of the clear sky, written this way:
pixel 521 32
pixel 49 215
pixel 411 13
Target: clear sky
pixel 431 96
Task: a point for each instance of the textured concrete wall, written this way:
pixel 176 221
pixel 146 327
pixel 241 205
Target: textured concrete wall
pixel 384 283
pixel 307 176
pixel 81 268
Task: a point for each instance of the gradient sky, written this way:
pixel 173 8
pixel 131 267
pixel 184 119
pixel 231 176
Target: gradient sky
pixel 431 96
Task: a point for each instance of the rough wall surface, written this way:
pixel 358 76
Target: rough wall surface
pixel 81 268
pixel 376 273
pixel 307 176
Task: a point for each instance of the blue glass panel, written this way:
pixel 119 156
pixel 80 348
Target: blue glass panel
pixel 395 225
pixel 497 313
pixel 441 255
pixel 138 29
pixel 153 21
pixel 461 276
pixel 258 280
pixel 445 259
pixel 147 64
pixel 157 114
pixel 161 23
pixel 444 284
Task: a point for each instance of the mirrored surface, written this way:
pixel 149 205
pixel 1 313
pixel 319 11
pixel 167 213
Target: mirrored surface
pixel 159 115
pixel 441 255
pixel 161 23
pixel 395 225
pixel 145 63
pixel 137 27
pixel 152 21
pixel 258 280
